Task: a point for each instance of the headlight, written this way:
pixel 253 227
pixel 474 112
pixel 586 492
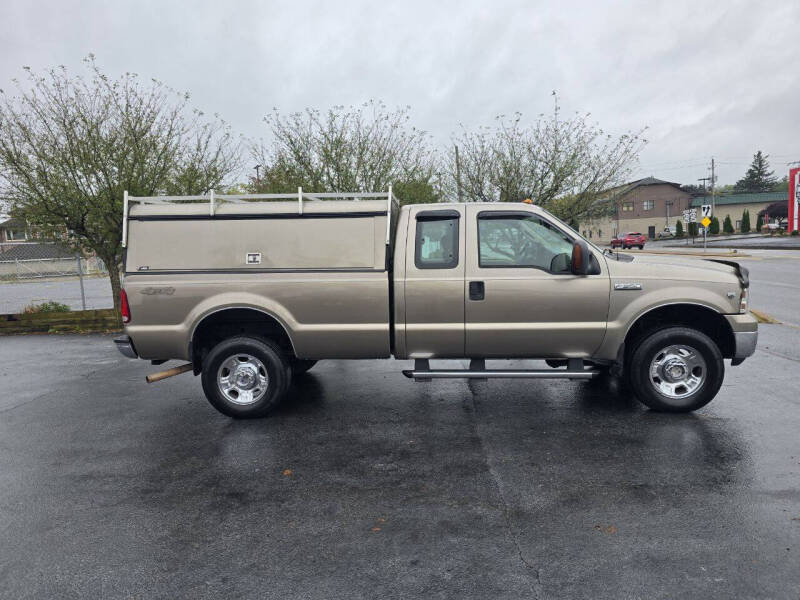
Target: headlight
pixel 743 301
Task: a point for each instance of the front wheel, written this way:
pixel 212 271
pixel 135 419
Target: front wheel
pixel 245 377
pixel 676 370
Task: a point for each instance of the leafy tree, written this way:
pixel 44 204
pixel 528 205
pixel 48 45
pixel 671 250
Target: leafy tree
pixel 693 189
pixel 679 229
pixel 758 177
pixel 564 164
pixel 354 149
pixel 782 185
pixel 70 146
pixel 727 225
pixel 713 228
pixel 759 222
pixel 745 226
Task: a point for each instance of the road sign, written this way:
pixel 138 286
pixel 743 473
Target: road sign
pixel 706 221
pixel 690 215
pixel 706 210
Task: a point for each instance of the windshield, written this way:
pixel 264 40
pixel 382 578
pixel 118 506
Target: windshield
pixel 570 229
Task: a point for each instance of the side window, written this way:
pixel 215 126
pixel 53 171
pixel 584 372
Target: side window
pixel 522 241
pixel 436 244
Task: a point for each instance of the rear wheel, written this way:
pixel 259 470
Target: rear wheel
pixel 676 370
pixel 641 246
pixel 245 377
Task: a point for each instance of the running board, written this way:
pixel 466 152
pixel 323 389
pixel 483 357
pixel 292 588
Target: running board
pixel 422 372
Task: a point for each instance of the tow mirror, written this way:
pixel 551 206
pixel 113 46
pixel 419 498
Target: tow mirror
pixel 583 261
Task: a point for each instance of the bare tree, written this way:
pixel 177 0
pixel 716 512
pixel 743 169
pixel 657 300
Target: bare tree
pixel 70 146
pixel 562 164
pixel 362 148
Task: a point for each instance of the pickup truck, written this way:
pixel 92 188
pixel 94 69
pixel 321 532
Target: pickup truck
pixel 253 290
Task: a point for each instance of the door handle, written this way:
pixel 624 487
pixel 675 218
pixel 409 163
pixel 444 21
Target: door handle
pixel 477 290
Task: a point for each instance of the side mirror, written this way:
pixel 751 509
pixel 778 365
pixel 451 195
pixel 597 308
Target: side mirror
pixel 583 261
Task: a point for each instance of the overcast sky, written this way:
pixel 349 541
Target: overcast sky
pixel 707 78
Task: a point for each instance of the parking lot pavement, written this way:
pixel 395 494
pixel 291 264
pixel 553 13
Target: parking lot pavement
pixel 365 485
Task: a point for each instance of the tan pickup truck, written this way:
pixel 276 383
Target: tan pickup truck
pixel 253 290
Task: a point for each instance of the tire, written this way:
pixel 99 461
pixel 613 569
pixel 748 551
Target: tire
pixel 624 247
pixel 264 375
pixel 301 366
pixel 641 246
pixel 675 370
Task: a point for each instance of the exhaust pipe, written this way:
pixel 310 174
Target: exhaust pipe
pixel 169 373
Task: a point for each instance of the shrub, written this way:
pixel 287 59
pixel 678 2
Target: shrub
pixel 693 229
pixel 713 229
pixel 679 229
pixel 727 225
pixel 795 233
pixel 759 222
pixel 745 227
pixel 46 307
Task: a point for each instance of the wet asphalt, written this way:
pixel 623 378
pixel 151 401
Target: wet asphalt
pixel 365 485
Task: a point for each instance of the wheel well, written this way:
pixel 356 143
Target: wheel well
pixel 231 322
pixel 693 316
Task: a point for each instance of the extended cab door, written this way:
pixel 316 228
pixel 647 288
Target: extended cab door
pixel 434 282
pixel 521 300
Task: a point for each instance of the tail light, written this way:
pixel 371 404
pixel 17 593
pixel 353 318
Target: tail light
pixel 124 307
pixel 743 301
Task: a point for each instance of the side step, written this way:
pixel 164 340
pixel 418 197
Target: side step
pixel 423 372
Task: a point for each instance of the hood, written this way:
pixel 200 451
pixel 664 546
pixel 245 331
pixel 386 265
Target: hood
pixel 666 266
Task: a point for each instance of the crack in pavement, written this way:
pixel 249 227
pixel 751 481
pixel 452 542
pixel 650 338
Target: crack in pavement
pixel 536 584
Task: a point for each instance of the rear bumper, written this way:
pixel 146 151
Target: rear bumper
pixel 125 346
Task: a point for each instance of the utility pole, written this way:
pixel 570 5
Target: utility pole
pixel 258 179
pixel 713 196
pixel 458 175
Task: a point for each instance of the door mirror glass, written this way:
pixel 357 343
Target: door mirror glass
pixel 560 263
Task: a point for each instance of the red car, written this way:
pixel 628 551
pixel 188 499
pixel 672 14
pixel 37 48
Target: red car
pixel 629 240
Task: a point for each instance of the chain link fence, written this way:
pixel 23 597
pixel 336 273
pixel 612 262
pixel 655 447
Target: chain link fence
pixel 32 273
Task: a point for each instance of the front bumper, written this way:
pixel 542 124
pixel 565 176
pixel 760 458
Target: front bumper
pixel 745 336
pixel 745 345
pixel 125 346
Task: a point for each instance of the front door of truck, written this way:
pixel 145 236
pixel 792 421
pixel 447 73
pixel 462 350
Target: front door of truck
pixel 521 300
pixel 434 282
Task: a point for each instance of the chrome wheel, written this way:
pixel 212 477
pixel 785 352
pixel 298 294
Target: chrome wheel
pixel 677 371
pixel 242 379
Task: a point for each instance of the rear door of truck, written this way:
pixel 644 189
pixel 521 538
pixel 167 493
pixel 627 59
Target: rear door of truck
pixel 434 282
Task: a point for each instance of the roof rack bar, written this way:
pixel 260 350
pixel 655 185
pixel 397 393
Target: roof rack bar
pixel 389 216
pixel 300 199
pixel 125 218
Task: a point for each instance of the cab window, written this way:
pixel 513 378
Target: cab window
pixel 436 244
pixel 509 240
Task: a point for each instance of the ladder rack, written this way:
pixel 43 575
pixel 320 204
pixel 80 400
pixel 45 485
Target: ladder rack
pixel 214 200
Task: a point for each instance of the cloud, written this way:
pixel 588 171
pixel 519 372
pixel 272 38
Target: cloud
pixel 708 78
